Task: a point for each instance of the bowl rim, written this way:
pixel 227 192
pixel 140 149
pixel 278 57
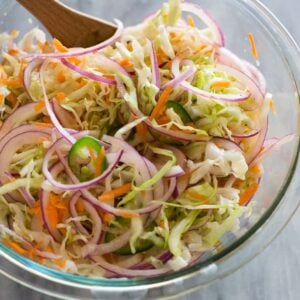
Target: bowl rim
pixel 72 280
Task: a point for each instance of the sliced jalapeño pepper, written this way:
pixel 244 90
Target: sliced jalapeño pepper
pixel 85 157
pixel 180 111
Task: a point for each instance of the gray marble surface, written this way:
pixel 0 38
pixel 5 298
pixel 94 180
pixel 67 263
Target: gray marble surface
pixel 274 274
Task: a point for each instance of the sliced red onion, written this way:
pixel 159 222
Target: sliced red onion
pixel 180 156
pixel 180 78
pixel 66 118
pixel 22 114
pixel 257 144
pixel 15 143
pixel 227 144
pixel 208 95
pixel 207 19
pixel 245 135
pixel 84 51
pixel 154 65
pixel 49 109
pixel 73 212
pixel 175 171
pixel 129 273
pixel 113 159
pixel 97 223
pixel 87 74
pixel 258 77
pixel 16 236
pixel 48 255
pixel 109 247
pixel 245 80
pixel 44 200
pixel 270 145
pixel 27 74
pixel 228 58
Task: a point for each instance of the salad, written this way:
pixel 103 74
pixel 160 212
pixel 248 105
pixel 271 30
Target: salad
pixel 134 157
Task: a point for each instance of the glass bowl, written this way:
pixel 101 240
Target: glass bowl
pixel 276 200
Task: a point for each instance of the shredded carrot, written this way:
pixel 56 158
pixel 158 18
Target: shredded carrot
pixel 128 214
pixel 272 106
pixel 220 84
pixel 190 21
pixel 141 130
pixel 61 263
pixel 255 170
pixel 163 119
pixel 59 46
pixel 74 60
pixel 60 96
pixel 160 105
pixel 195 195
pixel 173 35
pixel 107 218
pixel 161 56
pixel 2 97
pixel 16 83
pixel 41 46
pixel 39 106
pixel 46 119
pixel 12 99
pixel 80 206
pixel 61 77
pixel 42 124
pixel 248 193
pixel 99 162
pixel 14 33
pixel 15 246
pixel 13 51
pixel 252 45
pixel 52 64
pixel 126 62
pixel 119 191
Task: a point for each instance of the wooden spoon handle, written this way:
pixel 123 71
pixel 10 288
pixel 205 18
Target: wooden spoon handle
pixel 71 27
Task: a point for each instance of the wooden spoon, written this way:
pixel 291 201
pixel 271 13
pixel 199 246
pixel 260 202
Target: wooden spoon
pixel 71 27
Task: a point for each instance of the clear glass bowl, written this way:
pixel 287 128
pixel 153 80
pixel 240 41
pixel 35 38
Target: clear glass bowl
pixel 276 200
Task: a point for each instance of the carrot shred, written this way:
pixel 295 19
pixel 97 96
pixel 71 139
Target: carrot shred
pixel 14 33
pixel 99 161
pixel 272 106
pixel 126 62
pixel 15 246
pixel 13 51
pixel 79 206
pixel 12 99
pixel 163 120
pixel 61 77
pixel 41 46
pixel 107 218
pixel 141 130
pixel 195 195
pixel 248 193
pixel 220 84
pixel 39 106
pixel 74 60
pixel 2 97
pixel 59 46
pixel 60 96
pixel 16 83
pixel 42 124
pixel 253 45
pixel 3 74
pixel 160 105
pixel 191 21
pixel 119 191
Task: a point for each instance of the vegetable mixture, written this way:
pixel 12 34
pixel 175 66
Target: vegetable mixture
pixel 131 158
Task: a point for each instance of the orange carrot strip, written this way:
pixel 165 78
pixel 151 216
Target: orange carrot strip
pixel 74 60
pixel 125 62
pixel 15 246
pixel 60 96
pixel 99 161
pixel 252 45
pixel 39 106
pixel 50 125
pixel 195 195
pixel 80 206
pixel 164 97
pixel 13 51
pixel 190 21
pixel 17 83
pixel 61 77
pixel 107 218
pixel 14 33
pixel 2 73
pixel 248 193
pixel 141 130
pixel 110 195
pixel 220 84
pixel 59 46
pixel 163 120
pixel 12 99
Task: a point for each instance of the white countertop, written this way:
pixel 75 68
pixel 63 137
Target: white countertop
pixel 274 274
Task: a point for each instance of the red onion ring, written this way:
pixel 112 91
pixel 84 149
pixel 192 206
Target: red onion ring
pixel 227 144
pixel 84 51
pixel 129 273
pixel 87 74
pixel 27 74
pixel 207 19
pixel 23 113
pixel 154 64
